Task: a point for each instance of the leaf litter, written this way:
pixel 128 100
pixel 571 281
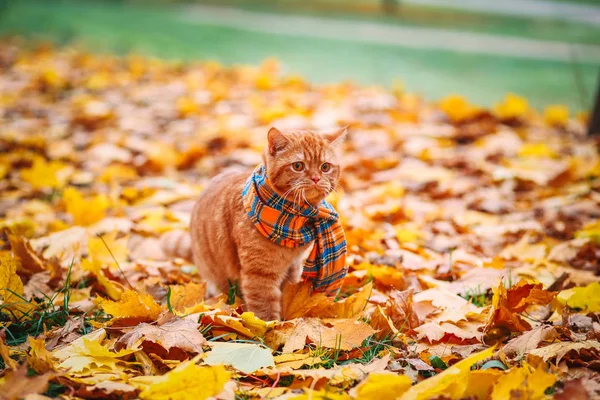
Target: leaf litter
pixel 473 236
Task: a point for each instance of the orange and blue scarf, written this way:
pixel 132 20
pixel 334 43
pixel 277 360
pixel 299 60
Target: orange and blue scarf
pixel 293 225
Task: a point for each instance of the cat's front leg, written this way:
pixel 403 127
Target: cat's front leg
pixel 261 286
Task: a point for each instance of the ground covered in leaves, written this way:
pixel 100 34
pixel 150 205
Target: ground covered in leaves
pixel 474 239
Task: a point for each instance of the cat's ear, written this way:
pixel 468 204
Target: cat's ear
pixel 336 136
pixel 277 140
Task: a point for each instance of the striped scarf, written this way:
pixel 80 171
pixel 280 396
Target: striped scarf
pixel 292 225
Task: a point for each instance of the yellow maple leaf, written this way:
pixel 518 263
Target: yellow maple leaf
pixel 457 108
pixel 556 115
pixel 256 325
pixel 132 305
pixel 586 298
pixel 113 289
pixel 5 355
pixel 40 359
pixel 524 382
pixel 11 288
pixel 92 354
pixel 453 382
pixel 100 257
pixel 513 107
pixel 85 211
pixel 188 381
pixel 108 249
pixel 188 299
pixel 44 175
pixel 481 383
pixel 382 385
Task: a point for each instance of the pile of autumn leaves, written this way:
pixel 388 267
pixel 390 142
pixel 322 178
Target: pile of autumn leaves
pixel 92 309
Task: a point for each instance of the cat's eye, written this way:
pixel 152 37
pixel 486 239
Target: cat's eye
pixel 325 167
pixel 298 166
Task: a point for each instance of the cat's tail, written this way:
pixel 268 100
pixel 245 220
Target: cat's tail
pixel 177 243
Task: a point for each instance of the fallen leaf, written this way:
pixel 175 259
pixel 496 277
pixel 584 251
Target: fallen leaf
pixel 185 298
pixel 246 357
pixel 16 384
pixel 5 354
pixel 453 381
pixel 508 303
pixel 84 211
pixel 447 332
pixel 574 390
pixel 11 289
pixel 343 334
pixel 44 175
pixel 298 301
pixel 523 382
pixel 180 333
pixel 529 341
pixel 585 298
pixel 523 250
pixel 29 262
pixel 90 354
pixel 188 381
pixel 560 349
pixel 40 359
pixel 382 385
pixel 132 306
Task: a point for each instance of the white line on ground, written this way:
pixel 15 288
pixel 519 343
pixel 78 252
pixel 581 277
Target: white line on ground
pixel 391 35
pixel 586 13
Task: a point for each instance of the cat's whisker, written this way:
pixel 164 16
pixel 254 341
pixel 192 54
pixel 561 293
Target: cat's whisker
pixel 304 198
pixel 283 197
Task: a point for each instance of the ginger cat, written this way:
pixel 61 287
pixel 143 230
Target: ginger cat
pixel 228 245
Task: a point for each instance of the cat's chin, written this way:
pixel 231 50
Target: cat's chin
pixel 315 195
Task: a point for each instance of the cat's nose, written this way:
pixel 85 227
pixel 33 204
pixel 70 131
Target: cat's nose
pixel 315 179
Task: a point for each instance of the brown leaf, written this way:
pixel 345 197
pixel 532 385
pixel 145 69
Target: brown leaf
pixel 299 302
pixel 464 332
pixel 573 390
pixel 40 359
pixel 338 375
pixel 506 304
pixel 18 384
pixel 343 334
pixel 559 350
pixel 524 294
pixel 529 341
pixel 181 333
pixel 29 262
pixel 400 308
pixel 38 286
pixel 187 296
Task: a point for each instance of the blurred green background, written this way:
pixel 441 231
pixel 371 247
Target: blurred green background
pixel 546 50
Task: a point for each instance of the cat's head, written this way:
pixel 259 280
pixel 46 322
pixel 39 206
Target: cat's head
pixel 303 164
